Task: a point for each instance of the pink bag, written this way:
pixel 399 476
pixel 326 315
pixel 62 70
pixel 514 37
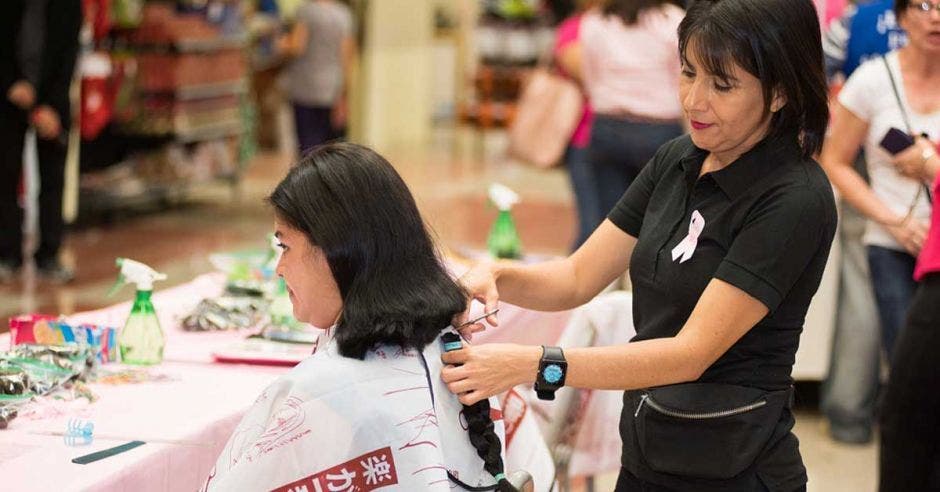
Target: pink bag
pixel 547 115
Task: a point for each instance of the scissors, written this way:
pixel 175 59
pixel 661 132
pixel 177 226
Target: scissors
pixel 480 318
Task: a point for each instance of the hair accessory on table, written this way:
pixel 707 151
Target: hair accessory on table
pixel 79 432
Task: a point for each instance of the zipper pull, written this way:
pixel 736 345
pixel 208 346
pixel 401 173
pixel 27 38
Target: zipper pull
pixel 642 401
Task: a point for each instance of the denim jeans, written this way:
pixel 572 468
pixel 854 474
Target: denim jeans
pixel 619 149
pixel 585 193
pixel 849 391
pixel 892 275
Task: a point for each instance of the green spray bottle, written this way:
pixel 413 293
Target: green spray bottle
pixel 503 241
pixel 142 339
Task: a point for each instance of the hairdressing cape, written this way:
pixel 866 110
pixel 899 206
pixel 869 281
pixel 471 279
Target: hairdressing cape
pixel 339 424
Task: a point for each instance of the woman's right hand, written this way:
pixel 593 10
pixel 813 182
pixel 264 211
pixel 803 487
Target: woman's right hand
pixel 913 161
pixel 480 283
pixel 910 233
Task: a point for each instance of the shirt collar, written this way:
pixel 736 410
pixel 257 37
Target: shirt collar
pixel 737 178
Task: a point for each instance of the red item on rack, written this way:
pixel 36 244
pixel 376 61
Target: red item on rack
pixel 99 88
pixel 98 14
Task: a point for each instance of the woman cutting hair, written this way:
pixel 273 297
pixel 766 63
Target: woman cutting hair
pixel 367 410
pixel 726 233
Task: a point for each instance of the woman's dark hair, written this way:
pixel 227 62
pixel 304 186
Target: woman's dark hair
pixel 352 204
pixel 629 10
pixel 776 41
pixel 900 6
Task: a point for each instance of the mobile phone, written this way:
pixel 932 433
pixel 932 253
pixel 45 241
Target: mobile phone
pixel 896 141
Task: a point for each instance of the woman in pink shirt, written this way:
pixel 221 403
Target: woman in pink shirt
pixel 631 74
pixel 910 430
pixel 567 53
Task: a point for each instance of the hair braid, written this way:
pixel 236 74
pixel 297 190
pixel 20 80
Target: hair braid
pixel 484 439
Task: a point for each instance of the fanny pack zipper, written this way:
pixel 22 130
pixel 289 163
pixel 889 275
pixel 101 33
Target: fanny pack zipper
pixel 646 399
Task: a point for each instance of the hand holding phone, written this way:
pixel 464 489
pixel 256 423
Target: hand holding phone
pixel 896 141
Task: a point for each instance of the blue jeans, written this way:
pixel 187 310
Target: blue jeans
pixel 849 392
pixel 585 193
pixel 892 275
pixel 619 149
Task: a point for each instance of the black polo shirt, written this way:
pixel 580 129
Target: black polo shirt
pixel 769 221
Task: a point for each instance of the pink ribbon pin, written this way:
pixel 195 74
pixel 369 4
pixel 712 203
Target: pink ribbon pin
pixel 687 246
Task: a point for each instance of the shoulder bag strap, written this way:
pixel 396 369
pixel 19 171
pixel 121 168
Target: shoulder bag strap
pixel 897 96
pixel 907 123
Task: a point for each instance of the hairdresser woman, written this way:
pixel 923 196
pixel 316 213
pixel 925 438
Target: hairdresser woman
pixel 725 233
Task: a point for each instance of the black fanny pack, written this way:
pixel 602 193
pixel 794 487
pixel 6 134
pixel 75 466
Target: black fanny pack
pixel 709 431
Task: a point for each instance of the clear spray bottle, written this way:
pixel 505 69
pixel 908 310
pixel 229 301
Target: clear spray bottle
pixel 142 339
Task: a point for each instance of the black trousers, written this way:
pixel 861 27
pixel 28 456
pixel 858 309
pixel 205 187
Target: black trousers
pixel 627 482
pixel 51 154
pixel 910 414
pixel 314 126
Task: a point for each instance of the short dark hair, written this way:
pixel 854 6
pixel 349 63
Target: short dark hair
pixel 900 7
pixel 629 10
pixel 352 204
pixel 777 41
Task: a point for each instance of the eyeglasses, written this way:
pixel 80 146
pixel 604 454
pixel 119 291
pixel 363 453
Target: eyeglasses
pixel 924 7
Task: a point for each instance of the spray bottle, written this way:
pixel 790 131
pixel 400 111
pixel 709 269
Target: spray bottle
pixel 503 241
pixel 142 339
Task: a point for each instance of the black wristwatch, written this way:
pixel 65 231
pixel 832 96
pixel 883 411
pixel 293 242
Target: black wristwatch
pixel 552 371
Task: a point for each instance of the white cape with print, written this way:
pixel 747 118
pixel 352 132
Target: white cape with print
pixel 339 424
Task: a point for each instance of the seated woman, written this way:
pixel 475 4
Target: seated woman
pixel 368 409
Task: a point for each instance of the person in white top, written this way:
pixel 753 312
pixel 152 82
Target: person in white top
pixel 897 91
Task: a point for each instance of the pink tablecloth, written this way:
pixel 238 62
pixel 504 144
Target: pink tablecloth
pixel 199 406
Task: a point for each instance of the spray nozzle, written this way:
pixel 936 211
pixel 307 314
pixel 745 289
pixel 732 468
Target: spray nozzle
pixel 135 272
pixel 503 197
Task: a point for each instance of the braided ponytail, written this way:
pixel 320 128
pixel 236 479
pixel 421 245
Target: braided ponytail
pixel 482 434
pixel 484 439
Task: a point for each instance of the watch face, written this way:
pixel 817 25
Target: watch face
pixel 552 373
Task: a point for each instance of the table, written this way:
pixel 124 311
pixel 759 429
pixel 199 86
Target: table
pixel 198 407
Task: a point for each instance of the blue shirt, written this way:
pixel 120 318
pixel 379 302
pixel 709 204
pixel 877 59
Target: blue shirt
pixel 873 31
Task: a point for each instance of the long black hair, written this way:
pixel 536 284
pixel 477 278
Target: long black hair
pixel 352 204
pixel 776 41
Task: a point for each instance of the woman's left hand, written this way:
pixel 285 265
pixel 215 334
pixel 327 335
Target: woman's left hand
pixel 911 162
pixel 481 371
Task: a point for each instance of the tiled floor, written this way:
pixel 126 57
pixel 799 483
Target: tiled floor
pixel 449 179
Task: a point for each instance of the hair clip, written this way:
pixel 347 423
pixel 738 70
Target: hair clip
pixel 79 432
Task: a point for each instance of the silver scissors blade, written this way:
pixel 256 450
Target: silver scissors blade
pixel 480 318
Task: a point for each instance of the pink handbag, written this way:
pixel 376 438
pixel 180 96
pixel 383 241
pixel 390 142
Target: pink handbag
pixel 547 115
